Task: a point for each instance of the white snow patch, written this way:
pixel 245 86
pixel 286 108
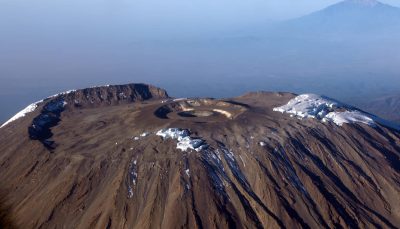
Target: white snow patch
pixel 230 155
pixel 185 142
pixel 324 109
pixel 262 143
pixel 130 192
pixel 348 117
pixel 134 179
pixel 107 85
pixel 189 143
pixel 142 135
pixel 62 93
pixel 308 106
pixel 145 134
pixel 173 133
pixel 31 108
pixel 187 171
pixel 133 176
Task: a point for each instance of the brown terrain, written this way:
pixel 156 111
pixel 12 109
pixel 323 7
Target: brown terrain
pixel 97 162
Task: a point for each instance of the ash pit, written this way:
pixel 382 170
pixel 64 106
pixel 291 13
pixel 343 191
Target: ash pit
pixel 205 110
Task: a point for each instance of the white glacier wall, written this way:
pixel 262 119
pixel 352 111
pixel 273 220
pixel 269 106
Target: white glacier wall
pixel 325 109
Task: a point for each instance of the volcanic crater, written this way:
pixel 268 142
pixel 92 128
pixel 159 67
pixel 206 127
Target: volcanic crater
pixel 200 110
pixel 130 156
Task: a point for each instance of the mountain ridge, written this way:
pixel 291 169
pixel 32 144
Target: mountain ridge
pixel 346 18
pixel 202 163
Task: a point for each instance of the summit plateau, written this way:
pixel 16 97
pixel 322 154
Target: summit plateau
pixel 130 156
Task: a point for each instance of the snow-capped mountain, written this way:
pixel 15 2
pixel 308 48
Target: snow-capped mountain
pixel 129 156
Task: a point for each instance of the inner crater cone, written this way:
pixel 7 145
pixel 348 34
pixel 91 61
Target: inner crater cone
pixel 206 110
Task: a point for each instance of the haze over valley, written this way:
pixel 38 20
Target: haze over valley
pixel 347 50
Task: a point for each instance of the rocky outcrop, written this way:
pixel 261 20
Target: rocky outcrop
pixel 112 95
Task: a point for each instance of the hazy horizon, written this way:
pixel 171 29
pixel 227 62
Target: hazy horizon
pixel 191 48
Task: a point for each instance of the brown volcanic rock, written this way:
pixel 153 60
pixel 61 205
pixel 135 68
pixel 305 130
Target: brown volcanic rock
pixel 113 95
pixel 52 107
pixel 262 169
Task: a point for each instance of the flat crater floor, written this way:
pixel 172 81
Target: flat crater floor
pixel 200 110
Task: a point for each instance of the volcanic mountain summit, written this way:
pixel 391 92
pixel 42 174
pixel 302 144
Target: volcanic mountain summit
pixel 366 3
pixel 129 156
pixel 350 19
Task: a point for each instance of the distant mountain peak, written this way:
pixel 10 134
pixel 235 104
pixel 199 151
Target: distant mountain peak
pixel 368 3
pixel 350 16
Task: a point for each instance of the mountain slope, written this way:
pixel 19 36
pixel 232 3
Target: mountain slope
pixel 159 162
pixel 350 18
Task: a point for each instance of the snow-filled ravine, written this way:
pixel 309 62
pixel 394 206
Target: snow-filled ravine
pixel 185 142
pixel 325 109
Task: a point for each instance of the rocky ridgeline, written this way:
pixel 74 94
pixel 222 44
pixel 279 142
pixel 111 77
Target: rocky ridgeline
pixel 112 95
pixel 50 114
